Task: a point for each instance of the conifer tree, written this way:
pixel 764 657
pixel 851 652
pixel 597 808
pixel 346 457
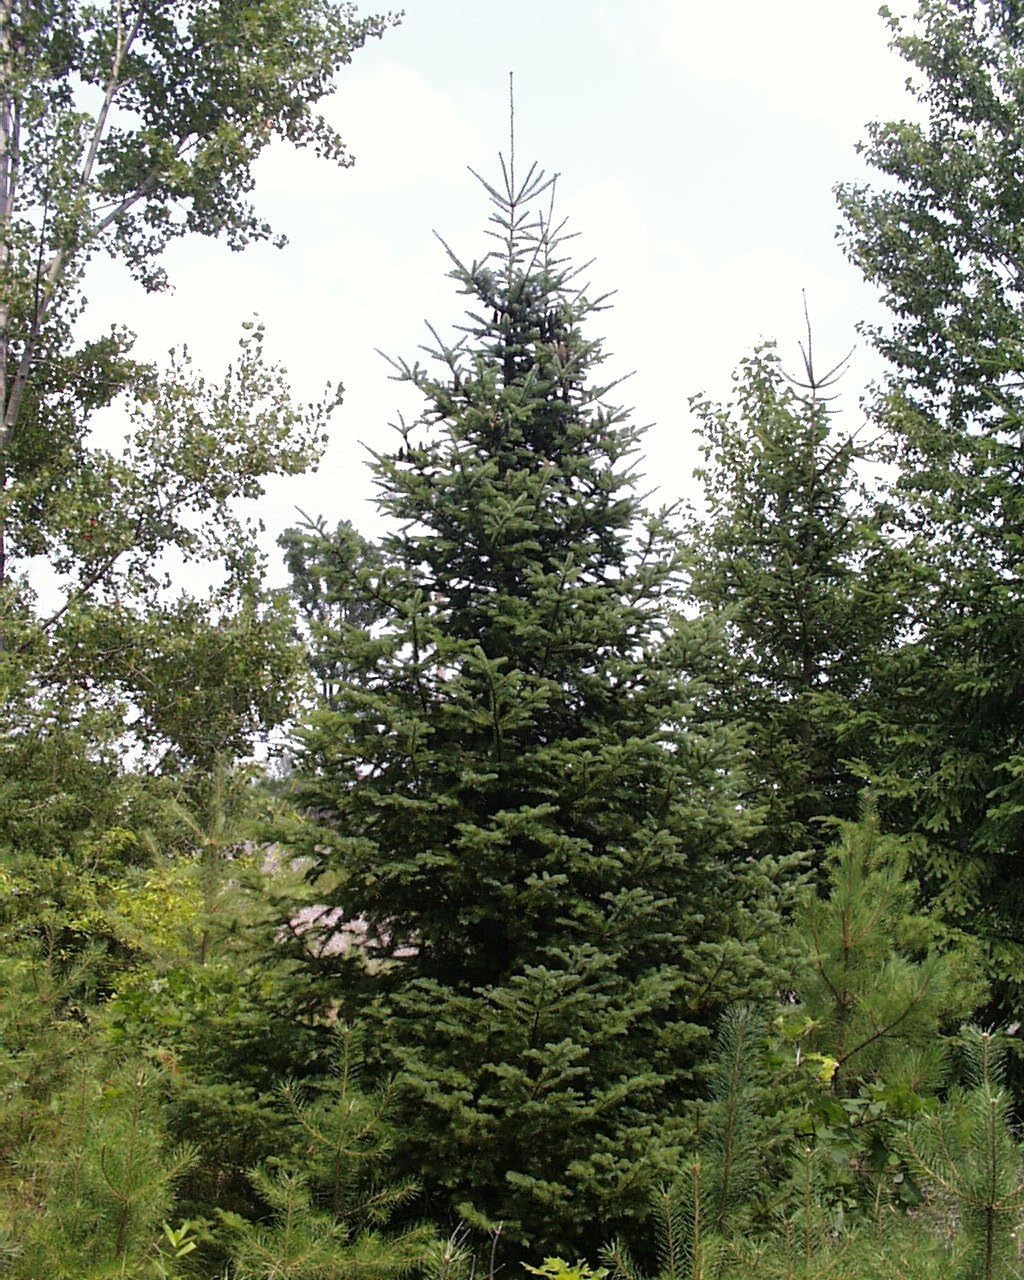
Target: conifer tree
pixel 787 557
pixel 92 1191
pixel 940 235
pixel 507 790
pixel 325 566
pixel 878 981
pixel 708 1203
pixel 328 1211
pixel 970 1156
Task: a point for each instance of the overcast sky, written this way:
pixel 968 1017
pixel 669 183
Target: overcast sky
pixel 697 145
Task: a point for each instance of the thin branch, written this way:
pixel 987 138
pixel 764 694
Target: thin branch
pixel 46 283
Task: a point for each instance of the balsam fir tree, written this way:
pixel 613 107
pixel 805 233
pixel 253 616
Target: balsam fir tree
pixel 506 789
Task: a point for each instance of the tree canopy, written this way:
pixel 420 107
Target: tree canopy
pixel 122 127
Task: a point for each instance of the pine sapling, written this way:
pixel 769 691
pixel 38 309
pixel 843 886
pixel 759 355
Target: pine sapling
pixel 326 1207
pixel 696 1216
pixel 969 1155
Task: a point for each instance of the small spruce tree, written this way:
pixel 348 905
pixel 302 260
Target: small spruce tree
pixel 788 557
pixel 507 789
pixel 709 1202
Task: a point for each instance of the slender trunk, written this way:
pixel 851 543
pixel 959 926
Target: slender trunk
pixel 992 1160
pixel 50 277
pixel 697 1185
pixel 124 1193
pixel 8 186
pixel 990 1241
pixel 14 382
pixel 211 868
pixel 8 178
pixel 729 1136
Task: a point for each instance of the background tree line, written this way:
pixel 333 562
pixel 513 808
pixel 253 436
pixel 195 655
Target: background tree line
pixel 637 875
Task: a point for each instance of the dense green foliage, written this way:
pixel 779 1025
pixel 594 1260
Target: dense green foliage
pixel 788 556
pixel 878 979
pixel 505 782
pixel 122 127
pixel 328 570
pixel 940 236
pixel 569 928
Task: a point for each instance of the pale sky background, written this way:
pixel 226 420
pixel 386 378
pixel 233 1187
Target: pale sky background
pixel 697 145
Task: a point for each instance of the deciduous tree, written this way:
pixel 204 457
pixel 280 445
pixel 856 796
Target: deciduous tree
pixel 124 126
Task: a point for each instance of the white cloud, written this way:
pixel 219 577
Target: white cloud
pixel 402 129
pixel 821 59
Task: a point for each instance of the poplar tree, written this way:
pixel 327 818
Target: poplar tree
pixel 126 125
pixel 507 789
